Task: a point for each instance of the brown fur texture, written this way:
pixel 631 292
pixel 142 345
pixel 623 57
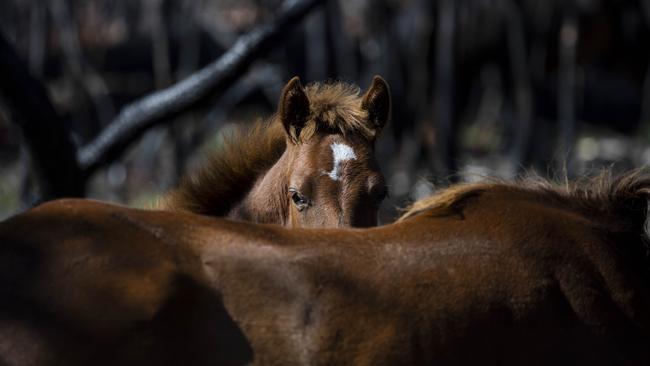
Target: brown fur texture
pixel 621 199
pixel 231 171
pixel 248 177
pixel 510 276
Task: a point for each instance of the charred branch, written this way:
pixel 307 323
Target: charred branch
pixel 205 84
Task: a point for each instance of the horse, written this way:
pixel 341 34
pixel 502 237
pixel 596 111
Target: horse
pixel 484 273
pixel 311 165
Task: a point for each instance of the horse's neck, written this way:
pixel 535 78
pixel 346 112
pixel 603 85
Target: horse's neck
pixel 267 201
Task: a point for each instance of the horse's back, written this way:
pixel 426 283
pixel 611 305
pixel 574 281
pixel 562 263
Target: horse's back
pixel 89 283
pixel 499 281
pixel 532 281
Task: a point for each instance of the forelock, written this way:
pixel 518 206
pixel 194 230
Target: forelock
pixel 336 107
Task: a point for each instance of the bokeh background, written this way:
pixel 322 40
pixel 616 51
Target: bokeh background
pixel 479 87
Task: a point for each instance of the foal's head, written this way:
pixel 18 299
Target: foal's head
pixel 311 165
pixel 332 178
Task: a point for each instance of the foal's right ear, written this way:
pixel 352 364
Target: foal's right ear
pixel 376 102
pixel 294 108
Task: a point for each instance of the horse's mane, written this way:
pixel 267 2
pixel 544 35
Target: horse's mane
pixel 245 154
pixel 621 199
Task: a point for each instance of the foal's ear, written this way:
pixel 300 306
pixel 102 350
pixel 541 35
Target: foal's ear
pixel 294 108
pixel 376 102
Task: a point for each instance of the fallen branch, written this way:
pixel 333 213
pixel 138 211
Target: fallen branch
pixel 206 83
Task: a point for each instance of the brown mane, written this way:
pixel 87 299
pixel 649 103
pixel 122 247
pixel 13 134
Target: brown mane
pixel 246 154
pixel 620 199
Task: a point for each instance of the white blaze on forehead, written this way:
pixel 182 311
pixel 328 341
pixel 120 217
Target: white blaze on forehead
pixel 341 153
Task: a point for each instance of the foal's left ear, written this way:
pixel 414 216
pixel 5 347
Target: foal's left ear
pixel 294 108
pixel 376 102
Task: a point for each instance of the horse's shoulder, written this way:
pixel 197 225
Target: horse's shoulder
pixel 104 265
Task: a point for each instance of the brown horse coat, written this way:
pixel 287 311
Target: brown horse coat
pixel 311 165
pixel 480 274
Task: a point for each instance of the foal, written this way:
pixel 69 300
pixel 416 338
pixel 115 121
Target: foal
pixel 311 165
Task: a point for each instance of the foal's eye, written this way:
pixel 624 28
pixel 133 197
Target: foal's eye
pixel 298 199
pixel 381 196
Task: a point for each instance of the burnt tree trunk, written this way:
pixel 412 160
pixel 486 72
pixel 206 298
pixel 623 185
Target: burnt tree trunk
pixel 51 148
pixel 445 151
